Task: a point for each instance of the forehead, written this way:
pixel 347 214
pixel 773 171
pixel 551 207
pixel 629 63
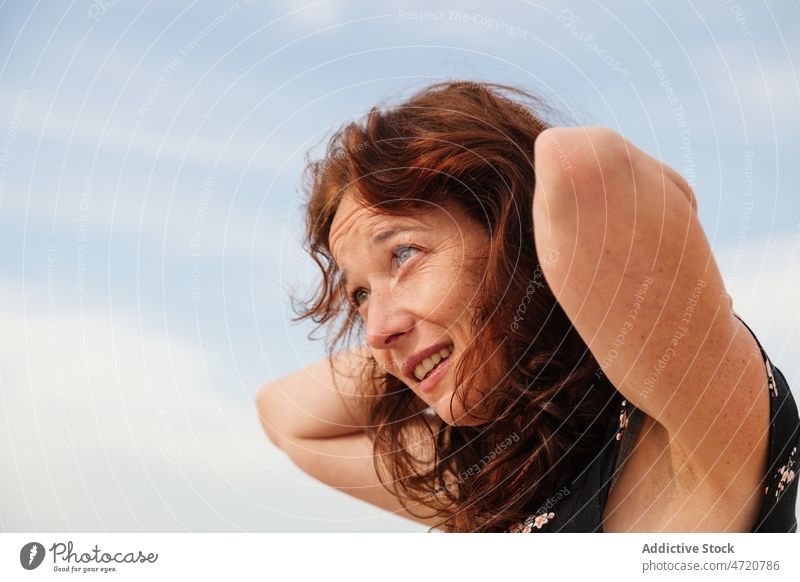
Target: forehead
pixel 346 216
pixel 349 219
pixel 353 220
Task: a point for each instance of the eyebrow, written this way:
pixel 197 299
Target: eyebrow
pixel 382 235
pixel 386 234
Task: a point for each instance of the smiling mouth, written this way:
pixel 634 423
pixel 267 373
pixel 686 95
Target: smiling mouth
pixel 426 366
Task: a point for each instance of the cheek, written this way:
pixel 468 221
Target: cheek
pixel 382 362
pixel 437 290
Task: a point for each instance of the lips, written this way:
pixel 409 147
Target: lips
pixel 422 362
pixel 428 364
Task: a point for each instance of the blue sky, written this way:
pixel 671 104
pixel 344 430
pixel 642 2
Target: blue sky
pixel 150 159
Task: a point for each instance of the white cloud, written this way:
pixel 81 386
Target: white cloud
pixel 110 425
pixel 313 15
pixel 762 275
pixel 143 139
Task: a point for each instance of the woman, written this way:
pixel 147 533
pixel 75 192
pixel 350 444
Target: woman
pixel 527 332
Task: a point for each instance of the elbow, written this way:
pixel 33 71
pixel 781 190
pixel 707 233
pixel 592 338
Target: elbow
pixel 576 156
pixel 265 407
pixel 576 167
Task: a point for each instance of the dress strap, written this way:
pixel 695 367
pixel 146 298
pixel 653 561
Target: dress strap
pixel 755 337
pixel 773 388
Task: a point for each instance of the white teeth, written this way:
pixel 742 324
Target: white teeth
pixel 419 372
pixel 430 362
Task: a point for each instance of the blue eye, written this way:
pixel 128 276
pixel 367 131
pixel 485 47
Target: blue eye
pixel 404 252
pixel 401 254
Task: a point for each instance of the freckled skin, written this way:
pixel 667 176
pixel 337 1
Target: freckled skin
pixel 420 300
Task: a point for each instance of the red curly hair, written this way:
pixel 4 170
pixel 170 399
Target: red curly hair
pixel 472 143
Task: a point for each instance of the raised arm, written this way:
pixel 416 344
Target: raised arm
pixel 314 402
pixel 638 280
pixel 313 415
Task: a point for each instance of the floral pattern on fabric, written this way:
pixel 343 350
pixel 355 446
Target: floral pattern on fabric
pixel 773 387
pixel 533 521
pixel 786 473
pixel 623 419
pixel 537 520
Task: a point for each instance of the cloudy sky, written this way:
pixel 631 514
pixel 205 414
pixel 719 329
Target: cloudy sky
pixel 150 159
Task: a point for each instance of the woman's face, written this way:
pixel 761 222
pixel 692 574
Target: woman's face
pixel 413 279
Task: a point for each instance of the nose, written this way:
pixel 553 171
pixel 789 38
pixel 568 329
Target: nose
pixel 387 321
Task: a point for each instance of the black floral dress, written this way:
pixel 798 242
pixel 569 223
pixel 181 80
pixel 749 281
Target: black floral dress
pixel 581 509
